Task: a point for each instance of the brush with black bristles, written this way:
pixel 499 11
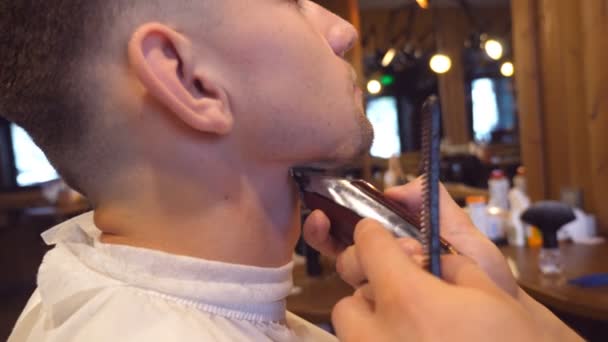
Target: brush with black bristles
pixel 429 215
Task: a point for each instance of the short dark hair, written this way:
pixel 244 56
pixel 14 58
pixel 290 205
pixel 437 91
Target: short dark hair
pixel 40 45
pixel 49 81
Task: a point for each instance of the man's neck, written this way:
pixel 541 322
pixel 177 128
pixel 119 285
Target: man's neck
pixel 253 219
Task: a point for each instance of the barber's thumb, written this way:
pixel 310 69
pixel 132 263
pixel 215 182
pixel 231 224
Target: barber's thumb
pixel 316 233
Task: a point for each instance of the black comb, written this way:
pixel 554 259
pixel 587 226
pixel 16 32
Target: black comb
pixel 429 216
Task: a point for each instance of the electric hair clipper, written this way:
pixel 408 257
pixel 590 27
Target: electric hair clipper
pixel 346 202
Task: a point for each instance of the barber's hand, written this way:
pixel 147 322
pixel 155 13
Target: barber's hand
pixel 456 228
pixel 403 302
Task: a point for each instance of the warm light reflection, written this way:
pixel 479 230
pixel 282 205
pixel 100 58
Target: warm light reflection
pixel 507 69
pixel 374 87
pixel 494 49
pixel 389 57
pixel 423 3
pixel 440 63
pixel 494 211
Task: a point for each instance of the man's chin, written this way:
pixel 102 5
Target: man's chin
pixel 350 153
pixel 326 165
pixel 338 161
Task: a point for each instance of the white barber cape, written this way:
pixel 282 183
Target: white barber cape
pixel 90 291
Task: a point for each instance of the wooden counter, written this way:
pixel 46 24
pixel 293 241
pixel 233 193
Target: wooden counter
pixel 579 260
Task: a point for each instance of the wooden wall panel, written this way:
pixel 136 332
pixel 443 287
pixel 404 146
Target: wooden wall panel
pixel 527 80
pixel 573 87
pixel 595 29
pixel 552 80
pixel 561 49
pixel 452 32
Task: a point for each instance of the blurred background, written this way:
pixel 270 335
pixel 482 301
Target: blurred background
pixel 522 87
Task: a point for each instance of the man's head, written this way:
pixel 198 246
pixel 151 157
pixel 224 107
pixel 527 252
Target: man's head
pixel 111 86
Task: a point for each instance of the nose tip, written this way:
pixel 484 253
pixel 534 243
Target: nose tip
pixel 353 35
pixel 342 38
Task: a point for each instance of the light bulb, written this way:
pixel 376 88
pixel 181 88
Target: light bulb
pixel 507 69
pixel 440 63
pixel 493 49
pixel 388 57
pixel 374 87
pixel 423 3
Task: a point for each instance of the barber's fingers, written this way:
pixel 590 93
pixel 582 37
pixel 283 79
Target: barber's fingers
pixel 456 226
pixel 316 234
pixel 458 229
pixel 408 195
pixel 353 319
pixel 456 270
pixel 389 271
pixel 463 271
pixel 366 292
pixel 349 268
pixel 452 216
pixel 410 246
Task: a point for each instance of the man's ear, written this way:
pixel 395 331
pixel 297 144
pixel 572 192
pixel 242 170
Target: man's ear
pixel 164 63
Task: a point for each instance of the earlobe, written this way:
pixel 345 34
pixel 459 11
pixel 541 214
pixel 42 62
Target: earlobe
pixel 163 62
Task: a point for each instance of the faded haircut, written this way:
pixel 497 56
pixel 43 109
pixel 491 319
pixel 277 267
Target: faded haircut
pixel 44 46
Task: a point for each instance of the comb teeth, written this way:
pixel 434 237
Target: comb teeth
pixel 425 170
pixel 429 214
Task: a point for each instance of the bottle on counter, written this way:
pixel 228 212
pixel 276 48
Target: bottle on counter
pixel 518 202
pixel 498 186
pixel 519 180
pixel 498 207
pixel 477 210
pixel 498 224
pixel 535 238
pixel 490 220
